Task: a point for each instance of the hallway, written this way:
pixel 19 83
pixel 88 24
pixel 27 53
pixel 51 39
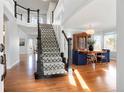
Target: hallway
pixel 85 78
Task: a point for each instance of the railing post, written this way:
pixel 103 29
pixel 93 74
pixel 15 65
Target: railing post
pixel 52 16
pixel 69 61
pixel 38 14
pixel 21 16
pixel 39 73
pixel 28 12
pixel 39 45
pixel 15 9
pixel 69 56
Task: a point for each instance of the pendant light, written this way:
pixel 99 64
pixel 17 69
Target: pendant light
pixel 90 30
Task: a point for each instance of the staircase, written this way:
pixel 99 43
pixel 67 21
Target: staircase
pixel 50 56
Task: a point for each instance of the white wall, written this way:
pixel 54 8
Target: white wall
pixel 22 35
pixel 11 39
pixel 28 48
pixel 9 4
pixel 120 47
pixel 58 17
pixel 49 13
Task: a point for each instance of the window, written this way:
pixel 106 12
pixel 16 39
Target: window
pixel 41 20
pixel 34 20
pixel 110 41
pixel 98 40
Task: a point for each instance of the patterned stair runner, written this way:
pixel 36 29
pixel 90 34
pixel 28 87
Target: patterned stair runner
pixel 52 61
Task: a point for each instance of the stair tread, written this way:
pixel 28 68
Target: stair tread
pixel 53 72
pixel 52 61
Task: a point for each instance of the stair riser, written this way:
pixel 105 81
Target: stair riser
pixel 52 61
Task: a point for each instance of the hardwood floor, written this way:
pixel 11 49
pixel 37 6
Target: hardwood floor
pixel 101 77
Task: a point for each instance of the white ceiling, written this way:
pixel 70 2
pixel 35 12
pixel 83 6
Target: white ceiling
pixel 72 6
pixel 100 14
pixel 36 4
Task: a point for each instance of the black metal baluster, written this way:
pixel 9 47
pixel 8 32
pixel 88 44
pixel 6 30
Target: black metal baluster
pixel 15 9
pixel 52 16
pixel 28 11
pixel 21 16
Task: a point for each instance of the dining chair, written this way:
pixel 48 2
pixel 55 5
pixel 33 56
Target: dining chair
pixel 91 57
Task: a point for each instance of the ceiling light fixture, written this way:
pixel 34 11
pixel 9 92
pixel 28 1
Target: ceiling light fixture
pixel 90 30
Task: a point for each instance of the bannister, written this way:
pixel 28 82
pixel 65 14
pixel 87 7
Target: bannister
pixel 56 5
pixel 21 6
pixel 39 72
pixel 69 61
pixel 19 15
pixel 27 9
pixel 65 35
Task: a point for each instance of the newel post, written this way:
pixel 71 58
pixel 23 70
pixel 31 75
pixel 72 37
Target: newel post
pixel 39 73
pixel 69 55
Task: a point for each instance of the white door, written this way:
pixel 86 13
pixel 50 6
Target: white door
pixel 30 46
pixel 1 41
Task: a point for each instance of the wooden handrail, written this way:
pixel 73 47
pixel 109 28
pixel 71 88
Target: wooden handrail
pixel 22 7
pixel 69 61
pixel 65 35
pixel 26 8
pixel 56 5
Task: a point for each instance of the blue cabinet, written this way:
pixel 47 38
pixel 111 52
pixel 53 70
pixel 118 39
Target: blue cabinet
pixel 79 58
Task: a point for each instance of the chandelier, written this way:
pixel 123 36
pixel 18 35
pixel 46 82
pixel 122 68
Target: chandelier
pixel 90 30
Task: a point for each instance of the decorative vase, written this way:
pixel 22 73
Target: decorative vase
pixel 91 48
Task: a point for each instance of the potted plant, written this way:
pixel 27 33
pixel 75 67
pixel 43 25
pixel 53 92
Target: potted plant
pixel 91 43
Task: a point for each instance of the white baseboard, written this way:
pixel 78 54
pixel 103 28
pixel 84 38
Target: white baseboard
pixel 9 67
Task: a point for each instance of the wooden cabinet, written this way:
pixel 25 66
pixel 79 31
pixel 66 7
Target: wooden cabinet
pixel 80 49
pixel 80 41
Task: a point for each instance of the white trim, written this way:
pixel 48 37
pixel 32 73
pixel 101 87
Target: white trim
pixel 9 67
